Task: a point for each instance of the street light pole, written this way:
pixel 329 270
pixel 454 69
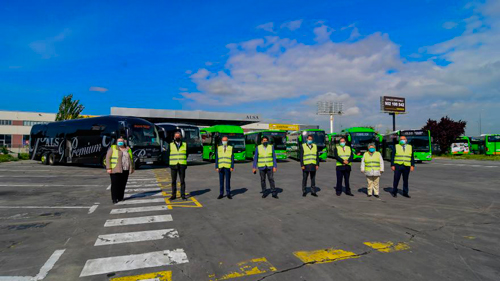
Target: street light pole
pixel 330 108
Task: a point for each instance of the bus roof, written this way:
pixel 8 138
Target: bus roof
pixel 358 129
pixel 100 119
pixel 224 129
pixel 175 124
pixel 264 131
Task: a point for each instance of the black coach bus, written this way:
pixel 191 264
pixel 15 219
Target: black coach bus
pixel 86 141
pixel 190 134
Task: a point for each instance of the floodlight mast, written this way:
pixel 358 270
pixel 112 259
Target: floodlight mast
pixel 330 108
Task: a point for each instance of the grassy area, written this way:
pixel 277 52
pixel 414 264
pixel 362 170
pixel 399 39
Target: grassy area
pixel 7 158
pixel 470 157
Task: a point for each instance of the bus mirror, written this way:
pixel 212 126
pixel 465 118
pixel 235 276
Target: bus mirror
pixel 183 133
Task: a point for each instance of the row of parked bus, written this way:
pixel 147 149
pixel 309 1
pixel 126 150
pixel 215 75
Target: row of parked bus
pixel 487 144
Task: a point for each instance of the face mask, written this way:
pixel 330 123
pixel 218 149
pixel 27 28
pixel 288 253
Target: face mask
pixel 265 143
pixel 120 143
pixel 342 144
pixel 371 149
pixel 177 139
pixel 309 141
pixel 402 142
pixel 224 143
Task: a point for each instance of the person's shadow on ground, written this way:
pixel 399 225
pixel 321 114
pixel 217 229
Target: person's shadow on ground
pixel 363 190
pixel 199 192
pixel 389 190
pixel 236 192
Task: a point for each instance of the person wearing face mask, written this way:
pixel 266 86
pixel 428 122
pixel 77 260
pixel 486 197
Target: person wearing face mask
pixel 343 154
pixel 265 160
pixel 309 162
pixel 402 163
pixel 372 165
pixel 119 164
pixel 177 156
pixel 224 164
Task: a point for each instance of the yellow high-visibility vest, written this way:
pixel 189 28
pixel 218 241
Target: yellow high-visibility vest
pixel 372 162
pixel 310 154
pixel 344 153
pixel 265 156
pixel 224 158
pixel 178 156
pixel 114 156
pixel 403 157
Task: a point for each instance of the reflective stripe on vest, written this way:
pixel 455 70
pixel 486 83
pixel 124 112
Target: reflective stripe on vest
pixel 310 154
pixel 114 156
pixel 403 157
pixel 224 158
pixel 178 156
pixel 265 156
pixel 343 154
pixel 372 162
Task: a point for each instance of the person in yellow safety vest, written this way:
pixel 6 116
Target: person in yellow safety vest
pixel 224 164
pixel 119 164
pixel 309 161
pixel 177 155
pixel 402 163
pixel 343 154
pixel 372 165
pixel 265 160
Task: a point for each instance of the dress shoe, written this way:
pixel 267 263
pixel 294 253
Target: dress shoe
pixel 304 194
pixel 369 195
pixel 394 194
pixel 349 194
pixel 220 196
pixel 406 195
pixel 184 197
pixel 173 197
pixel 314 194
pixel 275 196
pixel 376 196
pixel 264 194
pixel 229 196
pixel 338 194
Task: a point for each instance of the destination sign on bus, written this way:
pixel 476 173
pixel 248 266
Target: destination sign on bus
pixel 142 126
pixel 413 133
pixel 392 104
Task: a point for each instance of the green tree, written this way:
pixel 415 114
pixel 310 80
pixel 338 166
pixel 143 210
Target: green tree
pixel 69 109
pixel 445 132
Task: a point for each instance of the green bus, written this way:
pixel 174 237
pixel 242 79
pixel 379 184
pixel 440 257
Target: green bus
pixel 297 138
pixel 492 144
pixel 460 146
pixel 477 145
pixel 276 137
pixel 212 138
pixel 420 140
pixel 358 138
pixel 332 140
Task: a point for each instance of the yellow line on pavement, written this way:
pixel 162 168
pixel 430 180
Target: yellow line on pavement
pixel 156 276
pixel 247 268
pixel 388 247
pixel 324 255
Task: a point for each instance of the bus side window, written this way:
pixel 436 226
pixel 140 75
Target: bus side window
pixel 206 138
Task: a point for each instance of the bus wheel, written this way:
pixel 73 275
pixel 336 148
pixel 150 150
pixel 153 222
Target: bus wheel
pixel 45 159
pixel 52 159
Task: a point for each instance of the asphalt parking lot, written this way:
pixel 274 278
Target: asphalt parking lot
pixel 58 223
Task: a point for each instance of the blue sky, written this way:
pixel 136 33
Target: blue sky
pixel 253 57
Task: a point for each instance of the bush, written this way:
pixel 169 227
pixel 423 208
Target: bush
pixel 23 156
pixel 7 158
pixel 4 150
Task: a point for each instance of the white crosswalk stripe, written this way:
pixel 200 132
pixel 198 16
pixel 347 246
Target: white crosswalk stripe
pixel 143 195
pixel 142 189
pixel 138 220
pixel 130 262
pixel 139 209
pixel 141 201
pixel 138 236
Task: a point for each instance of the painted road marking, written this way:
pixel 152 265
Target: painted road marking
pixel 131 262
pixel 324 255
pixel 139 220
pixel 50 185
pixel 143 189
pixel 49 264
pixel 143 195
pixel 46 207
pixel 247 268
pixel 93 208
pixel 109 187
pixel 470 165
pixel 139 209
pixel 155 276
pixel 141 201
pixel 139 185
pixel 387 247
pixel 138 236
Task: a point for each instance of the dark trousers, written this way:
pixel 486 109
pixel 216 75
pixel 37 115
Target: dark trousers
pixel 225 173
pixel 181 171
pixel 401 170
pixel 306 174
pixel 270 175
pixel 118 184
pixel 343 174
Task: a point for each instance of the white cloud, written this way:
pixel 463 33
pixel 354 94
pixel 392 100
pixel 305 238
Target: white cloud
pixel 47 47
pixel 292 25
pixel 358 72
pixel 267 26
pixel 450 25
pixel 98 89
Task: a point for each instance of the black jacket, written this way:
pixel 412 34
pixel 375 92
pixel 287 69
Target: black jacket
pixel 308 167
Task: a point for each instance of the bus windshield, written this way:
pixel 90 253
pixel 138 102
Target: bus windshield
pixel 494 138
pixel 278 139
pixel 318 137
pixel 234 139
pixel 143 135
pixel 362 139
pixel 191 135
pixel 419 143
